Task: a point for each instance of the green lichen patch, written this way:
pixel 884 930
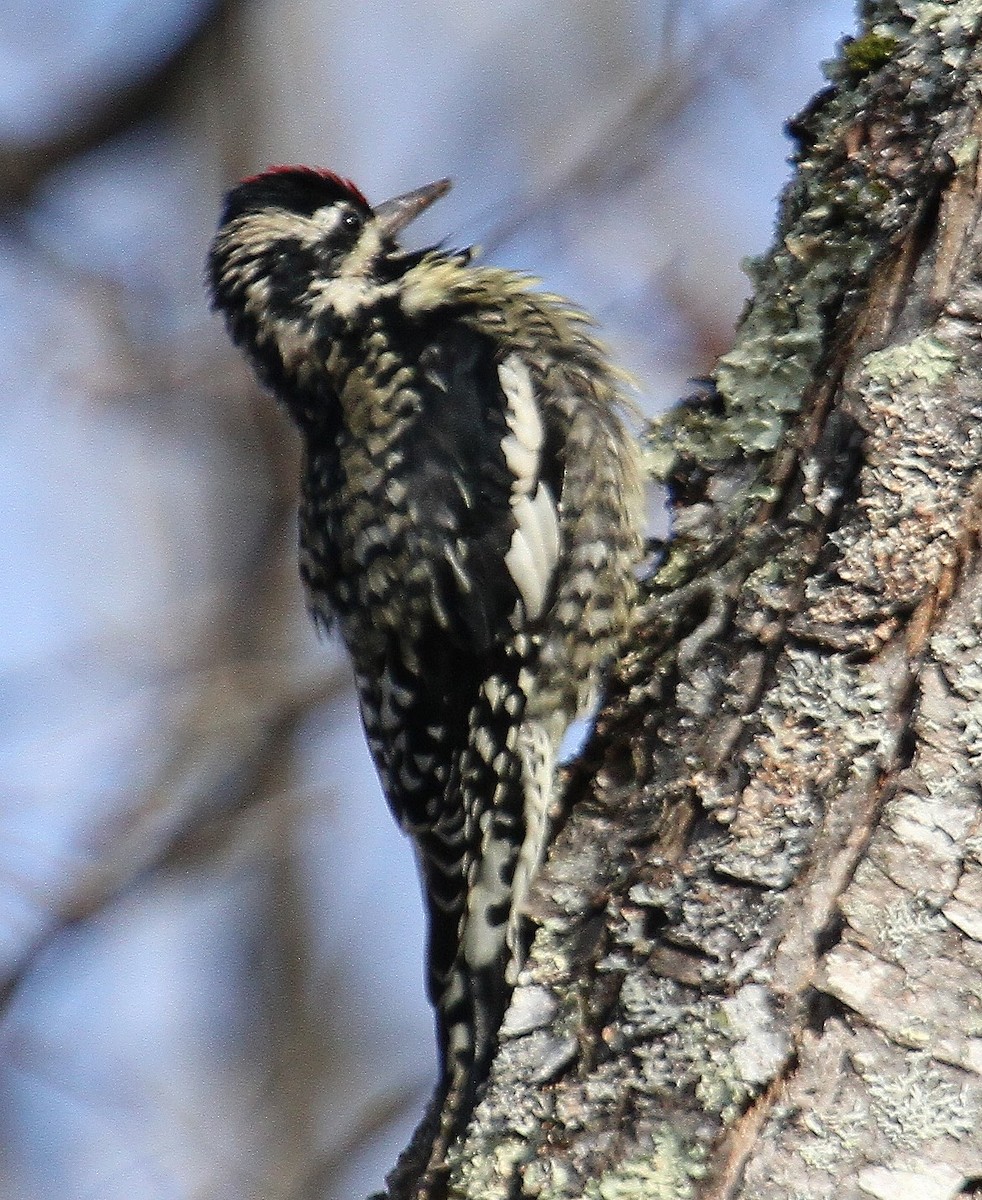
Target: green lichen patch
pixel 703 1051
pixel 919 1104
pixel 925 360
pixel 668 1171
pixel 870 149
pixel 868 53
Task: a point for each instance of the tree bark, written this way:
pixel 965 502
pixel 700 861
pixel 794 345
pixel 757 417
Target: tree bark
pixel 758 964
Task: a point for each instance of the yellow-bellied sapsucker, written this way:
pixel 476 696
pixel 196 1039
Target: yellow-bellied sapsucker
pixel 471 518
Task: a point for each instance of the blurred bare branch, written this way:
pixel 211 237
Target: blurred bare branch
pixel 237 720
pixel 322 1179
pixel 628 145
pixel 109 110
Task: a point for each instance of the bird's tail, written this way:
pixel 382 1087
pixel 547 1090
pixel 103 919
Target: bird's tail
pixel 505 779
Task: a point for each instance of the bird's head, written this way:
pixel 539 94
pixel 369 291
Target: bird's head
pixel 307 235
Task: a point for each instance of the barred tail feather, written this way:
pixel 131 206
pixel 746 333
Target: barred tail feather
pixel 506 779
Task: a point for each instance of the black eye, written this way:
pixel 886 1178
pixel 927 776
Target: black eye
pixel 351 221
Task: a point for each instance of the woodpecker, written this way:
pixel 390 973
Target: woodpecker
pixel 471 520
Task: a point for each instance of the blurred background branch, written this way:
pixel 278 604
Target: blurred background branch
pixel 210 938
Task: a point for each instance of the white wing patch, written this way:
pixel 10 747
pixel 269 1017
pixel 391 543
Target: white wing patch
pixel 523 445
pixel 534 550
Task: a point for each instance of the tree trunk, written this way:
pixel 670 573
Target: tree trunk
pixel 758 963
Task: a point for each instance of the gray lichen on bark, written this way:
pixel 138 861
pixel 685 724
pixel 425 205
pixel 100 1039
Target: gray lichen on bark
pixel 758 963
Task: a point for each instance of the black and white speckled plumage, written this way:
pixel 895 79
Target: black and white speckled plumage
pixel 470 518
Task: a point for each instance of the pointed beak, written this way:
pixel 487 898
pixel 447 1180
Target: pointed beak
pixel 394 215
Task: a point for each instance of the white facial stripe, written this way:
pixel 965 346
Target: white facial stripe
pixel 328 218
pixel 364 253
pixel 254 233
pixel 354 286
